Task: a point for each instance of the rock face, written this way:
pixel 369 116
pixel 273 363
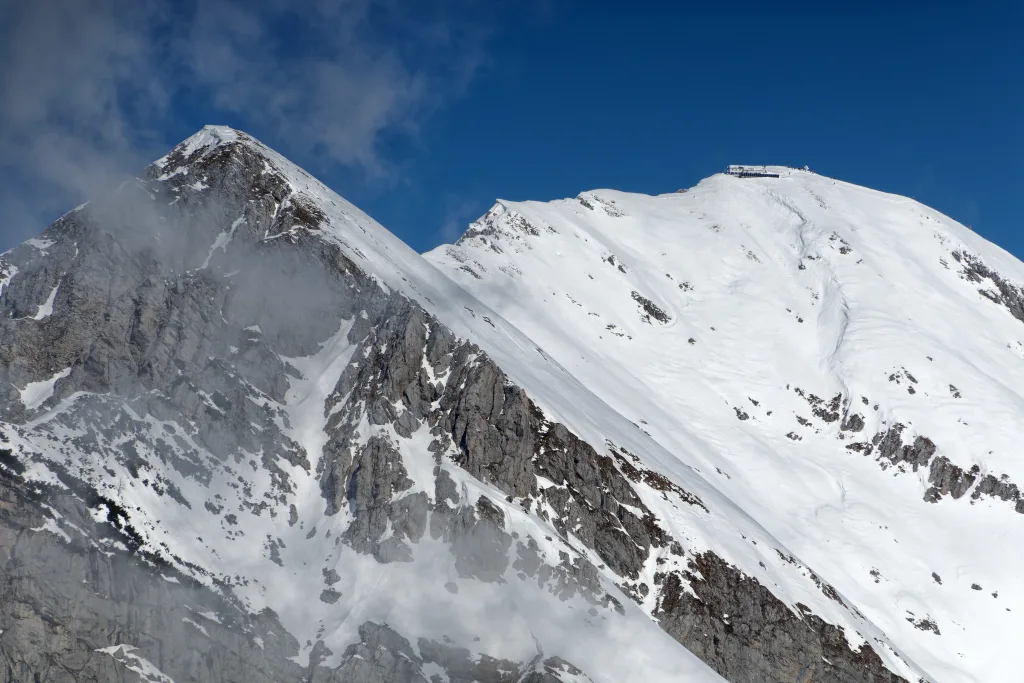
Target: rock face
pixel 731 612
pixel 69 589
pixel 246 435
pixel 67 599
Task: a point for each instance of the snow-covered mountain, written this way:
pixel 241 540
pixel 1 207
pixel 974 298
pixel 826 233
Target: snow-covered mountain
pixel 844 365
pixel 762 430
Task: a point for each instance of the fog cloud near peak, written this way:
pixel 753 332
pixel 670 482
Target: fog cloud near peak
pixel 92 90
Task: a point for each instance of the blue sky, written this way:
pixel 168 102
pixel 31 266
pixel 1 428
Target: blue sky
pixel 422 113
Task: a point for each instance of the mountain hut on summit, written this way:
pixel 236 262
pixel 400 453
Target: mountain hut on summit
pixel 742 171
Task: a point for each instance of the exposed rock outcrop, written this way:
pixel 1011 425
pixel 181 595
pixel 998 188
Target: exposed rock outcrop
pixel 748 636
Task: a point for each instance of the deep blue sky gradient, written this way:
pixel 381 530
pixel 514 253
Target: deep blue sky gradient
pixel 922 100
pixel 928 103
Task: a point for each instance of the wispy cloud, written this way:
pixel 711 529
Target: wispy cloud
pixel 92 89
pixel 67 122
pixel 458 214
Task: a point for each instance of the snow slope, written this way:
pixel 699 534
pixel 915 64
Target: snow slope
pixel 723 318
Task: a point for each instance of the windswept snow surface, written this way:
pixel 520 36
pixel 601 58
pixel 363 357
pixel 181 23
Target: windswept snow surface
pixel 717 317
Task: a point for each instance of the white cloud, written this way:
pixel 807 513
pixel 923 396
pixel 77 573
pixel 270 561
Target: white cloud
pixel 92 90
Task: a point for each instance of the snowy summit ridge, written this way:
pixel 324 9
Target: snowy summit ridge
pixel 733 433
pixel 802 341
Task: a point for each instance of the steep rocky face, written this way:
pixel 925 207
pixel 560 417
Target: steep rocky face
pixel 76 606
pixel 746 634
pixel 213 390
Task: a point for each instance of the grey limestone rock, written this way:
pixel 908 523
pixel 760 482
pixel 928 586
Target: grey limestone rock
pixel 947 478
pixel 63 598
pixel 1007 294
pixel 747 635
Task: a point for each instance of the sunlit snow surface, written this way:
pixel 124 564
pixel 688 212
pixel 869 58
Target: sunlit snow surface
pixel 774 285
pixel 547 290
